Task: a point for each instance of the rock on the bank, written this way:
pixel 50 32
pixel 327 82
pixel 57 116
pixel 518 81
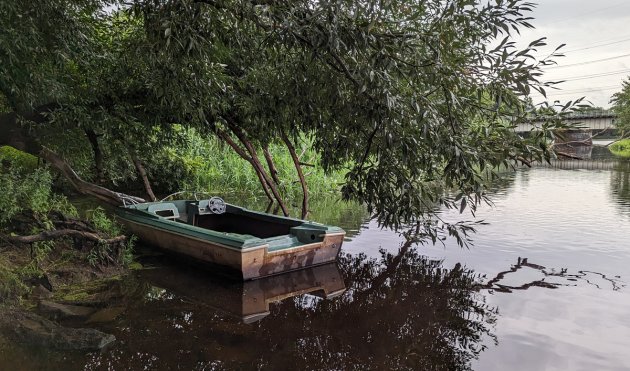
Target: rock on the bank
pixel 30 328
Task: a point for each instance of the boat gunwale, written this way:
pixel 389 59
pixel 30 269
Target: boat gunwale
pixel 208 235
pixel 218 244
pixel 228 241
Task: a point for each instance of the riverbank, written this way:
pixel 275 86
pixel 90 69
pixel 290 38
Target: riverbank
pixel 54 264
pixel 39 297
pixel 621 148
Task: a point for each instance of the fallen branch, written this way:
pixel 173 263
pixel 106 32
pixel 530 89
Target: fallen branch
pixel 569 155
pixel 74 224
pixel 18 136
pixel 524 161
pixel 61 233
pixel 625 136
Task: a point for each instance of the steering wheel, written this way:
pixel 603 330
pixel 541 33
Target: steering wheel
pixel 216 205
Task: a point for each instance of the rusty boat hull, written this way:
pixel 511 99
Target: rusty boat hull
pixel 250 243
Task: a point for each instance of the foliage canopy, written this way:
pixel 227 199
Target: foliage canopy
pixel 412 97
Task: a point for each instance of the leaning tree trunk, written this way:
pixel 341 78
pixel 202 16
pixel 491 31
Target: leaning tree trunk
pixel 263 183
pixel 143 175
pixel 272 167
pixel 259 168
pixel 298 168
pixel 83 187
pixel 13 134
pixel 98 155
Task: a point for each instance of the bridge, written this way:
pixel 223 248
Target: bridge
pixel 598 121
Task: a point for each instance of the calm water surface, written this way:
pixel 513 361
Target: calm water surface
pixel 543 288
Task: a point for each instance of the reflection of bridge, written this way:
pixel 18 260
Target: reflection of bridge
pixel 581 164
pixel 597 121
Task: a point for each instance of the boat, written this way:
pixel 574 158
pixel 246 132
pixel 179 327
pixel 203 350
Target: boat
pixel 250 243
pixel 247 301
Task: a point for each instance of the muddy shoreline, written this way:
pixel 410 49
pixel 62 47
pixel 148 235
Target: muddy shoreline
pixel 56 302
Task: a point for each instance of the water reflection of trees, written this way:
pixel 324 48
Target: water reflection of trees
pixel 620 185
pixel 550 278
pixel 398 312
pixel 407 312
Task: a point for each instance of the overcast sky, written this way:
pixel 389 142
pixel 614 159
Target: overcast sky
pixel 593 31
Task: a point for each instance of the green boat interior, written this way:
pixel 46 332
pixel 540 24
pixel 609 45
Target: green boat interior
pixel 276 231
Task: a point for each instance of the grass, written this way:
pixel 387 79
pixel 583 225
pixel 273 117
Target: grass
pixel 621 148
pixel 11 283
pixel 214 167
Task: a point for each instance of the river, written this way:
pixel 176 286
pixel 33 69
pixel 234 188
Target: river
pixel 543 287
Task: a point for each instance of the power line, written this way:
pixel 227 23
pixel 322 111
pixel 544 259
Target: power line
pixel 589 90
pixel 595 46
pixel 591 12
pixel 592 76
pixel 616 86
pixel 588 62
pixel 584 89
pixel 565 52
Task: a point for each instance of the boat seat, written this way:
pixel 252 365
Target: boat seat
pixel 165 210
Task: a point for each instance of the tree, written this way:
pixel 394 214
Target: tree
pixel 413 97
pixel 621 106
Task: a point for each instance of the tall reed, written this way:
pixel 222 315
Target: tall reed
pixel 214 167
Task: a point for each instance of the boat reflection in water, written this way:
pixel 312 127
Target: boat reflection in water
pixel 248 300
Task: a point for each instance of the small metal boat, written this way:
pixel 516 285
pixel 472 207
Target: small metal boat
pixel 253 244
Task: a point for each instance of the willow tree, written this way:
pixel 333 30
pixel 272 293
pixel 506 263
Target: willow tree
pixel 621 106
pixel 80 76
pixel 413 97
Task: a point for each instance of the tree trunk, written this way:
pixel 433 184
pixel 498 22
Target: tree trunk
pixel 83 187
pixel 98 155
pixel 263 183
pixel 259 167
pixel 272 168
pixel 298 168
pixel 14 135
pixel 143 175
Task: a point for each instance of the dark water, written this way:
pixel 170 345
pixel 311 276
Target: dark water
pixel 543 288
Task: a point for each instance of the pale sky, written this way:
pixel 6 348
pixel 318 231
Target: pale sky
pixel 594 31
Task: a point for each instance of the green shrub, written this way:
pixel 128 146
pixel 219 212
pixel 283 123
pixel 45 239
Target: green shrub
pixel 11 286
pixel 621 148
pixel 109 228
pixel 104 224
pixel 23 191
